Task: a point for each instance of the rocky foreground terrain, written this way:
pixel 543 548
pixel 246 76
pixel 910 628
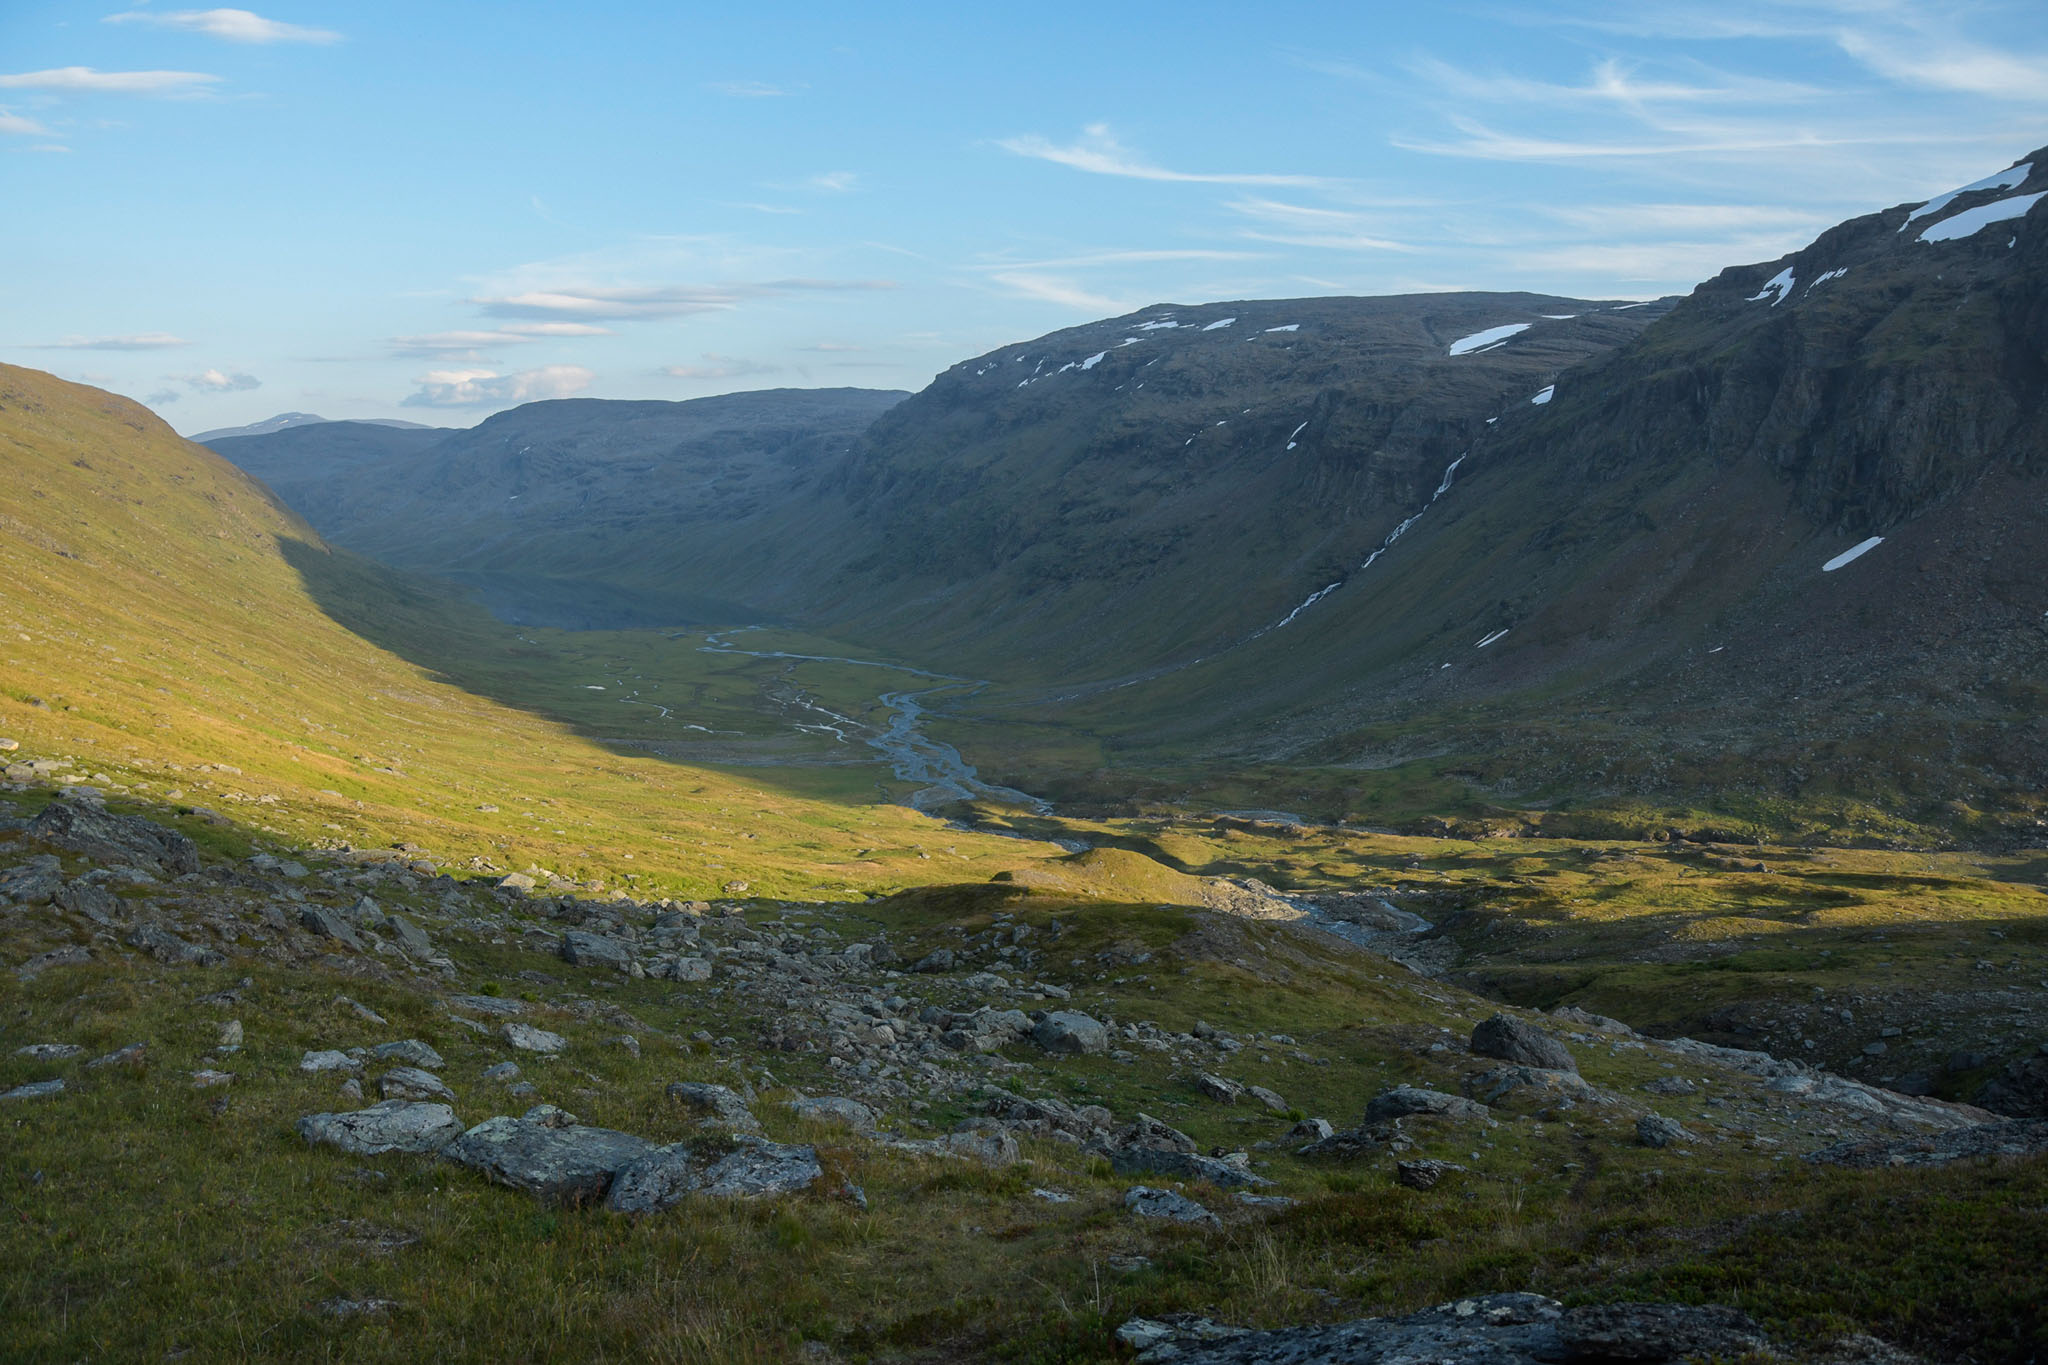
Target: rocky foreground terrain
pixel 780 1049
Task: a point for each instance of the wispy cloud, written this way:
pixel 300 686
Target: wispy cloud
pixel 1331 229
pixel 22 127
pixel 511 334
pixel 751 90
pixel 651 302
pixel 1054 289
pixel 720 367
pixel 1099 153
pixel 139 341
pixel 485 388
pixel 833 182
pixel 234 25
pixel 1131 257
pixel 85 78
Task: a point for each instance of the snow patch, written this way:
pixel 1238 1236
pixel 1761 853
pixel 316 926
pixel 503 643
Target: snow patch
pixel 1489 639
pixel 1155 326
pixel 1290 327
pixel 1486 340
pixel 2011 178
pixel 1220 322
pixel 1780 284
pixel 1834 274
pixel 1853 553
pixel 1548 392
pixel 1559 317
pixel 1972 221
pixel 1624 307
pixel 1294 433
pixel 1092 361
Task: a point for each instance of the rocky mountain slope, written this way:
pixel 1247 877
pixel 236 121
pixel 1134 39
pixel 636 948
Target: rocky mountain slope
pixel 565 512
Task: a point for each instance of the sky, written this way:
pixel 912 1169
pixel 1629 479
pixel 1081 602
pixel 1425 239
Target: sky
pixel 432 212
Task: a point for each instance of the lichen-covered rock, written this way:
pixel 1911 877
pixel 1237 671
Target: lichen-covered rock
pixel 1072 1033
pixel 411 1051
pixel 1183 1165
pixel 715 1106
pixel 1146 1202
pixel 392 1126
pixel 88 828
pixel 411 1083
pixel 584 949
pixel 166 947
pixel 527 1038
pixel 1404 1100
pixel 1512 1040
pixel 654 1182
pixel 757 1169
pixel 573 1165
pixel 835 1109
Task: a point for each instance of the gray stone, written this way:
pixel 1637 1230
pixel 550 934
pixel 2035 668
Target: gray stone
pixel 1670 1085
pixel 329 1060
pixel 654 1182
pixel 573 1165
pixel 71 955
pixel 1183 1165
pixel 48 1052
pixel 85 827
pixel 35 882
pixel 833 1109
pixel 91 900
pixel 171 950
pixel 34 1090
pixel 583 949
pixel 1422 1175
pixel 411 1051
pixel 990 1149
pixel 1146 1202
pixel 206 1079
pixel 686 969
pixel 410 936
pixel 937 960
pixel 392 1126
pixel 758 1169
pixel 1149 1133
pixel 1512 1040
pixel 1070 1032
pixel 1657 1331
pixel 1654 1130
pixel 1404 1100
pixel 502 1072
pixel 1534 1087
pixel 1271 1099
pixel 1310 1130
pixel 527 1038
pixel 327 924
pixel 1218 1089
pixel 715 1106
pixel 134 1054
pixel 517 882
pixel 411 1083
pixel 2019 1137
pixel 494 1005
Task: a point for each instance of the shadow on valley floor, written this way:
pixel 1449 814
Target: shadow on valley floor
pixel 443 627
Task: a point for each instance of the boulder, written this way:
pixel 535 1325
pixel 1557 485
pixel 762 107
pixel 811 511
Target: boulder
pixel 1270 1098
pixel 1182 1166
pixel 392 1126
pixel 411 1083
pixel 990 1149
pixel 758 1168
pixel 410 936
pixel 2019 1137
pixel 937 960
pixel 527 1038
pixel 35 882
pixel 328 924
pixel 1531 1088
pixel 654 1182
pixel 2020 1090
pixel 411 1051
pixel 686 969
pixel 715 1106
pixel 329 1060
pixel 1422 1174
pixel 1218 1089
pixel 572 1165
pixel 1511 1040
pixel 34 1090
pixel 49 1052
pixel 1654 1130
pixel 1404 1100
pixel 1071 1032
pixel 88 828
pixel 833 1109
pixel 494 1005
pixel 1310 1130
pixel 583 949
pixel 1146 1202
pixel 168 948
pixel 1146 1132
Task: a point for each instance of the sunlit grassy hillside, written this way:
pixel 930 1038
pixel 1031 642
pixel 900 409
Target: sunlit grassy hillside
pixel 172 631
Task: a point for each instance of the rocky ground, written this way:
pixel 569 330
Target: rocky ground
pixel 994 1038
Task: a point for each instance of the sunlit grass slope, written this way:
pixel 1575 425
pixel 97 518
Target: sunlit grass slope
pixel 172 631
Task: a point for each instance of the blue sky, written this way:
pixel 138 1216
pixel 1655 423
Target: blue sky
pixel 435 211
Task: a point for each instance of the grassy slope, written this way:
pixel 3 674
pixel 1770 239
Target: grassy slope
pixel 153 625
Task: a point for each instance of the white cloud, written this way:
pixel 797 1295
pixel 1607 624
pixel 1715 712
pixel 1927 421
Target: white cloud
pixel 218 381
pixel 511 334
pixel 719 367
pixel 832 182
pixel 110 82
pixel 655 301
pixel 750 90
pixel 484 388
pixel 235 25
pixel 1130 257
pixel 1066 293
pixel 1099 153
pixel 139 341
pixel 1305 225
pixel 24 127
pixel 1951 65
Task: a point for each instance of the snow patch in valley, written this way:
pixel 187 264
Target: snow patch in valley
pixel 1290 327
pixel 1970 222
pixel 1486 340
pixel 1544 395
pixel 1220 322
pixel 1489 639
pixel 1558 317
pixel 1781 284
pixel 1854 552
pixel 2011 178
pixel 1161 325
pixel 1294 433
pixel 1092 361
pixel 1834 274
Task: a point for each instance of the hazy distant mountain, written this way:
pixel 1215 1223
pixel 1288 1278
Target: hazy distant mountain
pixel 282 422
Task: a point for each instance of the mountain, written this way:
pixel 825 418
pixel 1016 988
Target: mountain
pixel 562 512
pixel 286 421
